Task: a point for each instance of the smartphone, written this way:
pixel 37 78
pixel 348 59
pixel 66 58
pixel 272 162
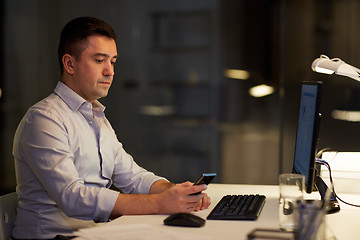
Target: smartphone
pixel 205 178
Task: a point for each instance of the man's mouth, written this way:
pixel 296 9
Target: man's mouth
pixel 105 82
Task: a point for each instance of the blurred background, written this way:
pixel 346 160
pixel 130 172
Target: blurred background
pixel 180 101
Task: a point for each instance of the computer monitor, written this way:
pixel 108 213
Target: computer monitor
pixel 307 137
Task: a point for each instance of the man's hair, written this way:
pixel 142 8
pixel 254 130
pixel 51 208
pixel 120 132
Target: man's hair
pixel 75 33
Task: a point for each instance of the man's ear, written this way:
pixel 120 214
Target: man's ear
pixel 68 62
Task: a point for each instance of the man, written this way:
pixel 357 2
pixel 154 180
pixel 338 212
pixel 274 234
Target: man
pixel 67 154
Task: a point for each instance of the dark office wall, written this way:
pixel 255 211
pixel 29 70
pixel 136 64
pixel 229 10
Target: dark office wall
pixel 249 126
pixel 2 23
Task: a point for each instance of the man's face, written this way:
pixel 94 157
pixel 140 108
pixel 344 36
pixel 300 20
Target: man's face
pixel 94 70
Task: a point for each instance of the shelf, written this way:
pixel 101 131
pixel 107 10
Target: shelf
pixel 180 83
pixel 170 49
pixel 181 30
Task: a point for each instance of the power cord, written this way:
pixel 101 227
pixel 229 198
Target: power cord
pixel 326 164
pixel 318 154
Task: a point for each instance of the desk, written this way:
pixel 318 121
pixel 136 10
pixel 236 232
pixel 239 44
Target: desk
pixel 344 225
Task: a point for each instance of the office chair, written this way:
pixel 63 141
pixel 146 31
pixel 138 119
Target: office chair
pixel 8 204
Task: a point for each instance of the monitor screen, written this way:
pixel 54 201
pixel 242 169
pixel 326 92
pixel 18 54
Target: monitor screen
pixel 307 132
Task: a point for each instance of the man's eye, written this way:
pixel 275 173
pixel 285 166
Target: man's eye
pixel 99 60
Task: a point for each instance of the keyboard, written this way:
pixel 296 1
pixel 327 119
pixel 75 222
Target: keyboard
pixel 238 207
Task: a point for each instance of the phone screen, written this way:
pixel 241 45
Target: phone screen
pixel 205 178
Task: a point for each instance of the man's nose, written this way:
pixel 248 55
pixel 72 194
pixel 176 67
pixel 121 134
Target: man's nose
pixel 109 70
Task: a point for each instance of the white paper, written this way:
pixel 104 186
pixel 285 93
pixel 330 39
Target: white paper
pixel 134 232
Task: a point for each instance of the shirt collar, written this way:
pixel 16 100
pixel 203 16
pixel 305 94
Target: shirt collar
pixel 74 100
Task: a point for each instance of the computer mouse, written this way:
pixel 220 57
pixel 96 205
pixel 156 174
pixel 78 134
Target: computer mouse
pixel 184 220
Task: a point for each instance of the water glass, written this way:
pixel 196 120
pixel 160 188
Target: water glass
pixel 291 188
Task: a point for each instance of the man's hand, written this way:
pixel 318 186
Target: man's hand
pixel 204 202
pixel 179 198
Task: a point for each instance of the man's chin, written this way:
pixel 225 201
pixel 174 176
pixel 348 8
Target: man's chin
pixel 103 95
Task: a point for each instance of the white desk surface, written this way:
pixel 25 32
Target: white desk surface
pixel 344 224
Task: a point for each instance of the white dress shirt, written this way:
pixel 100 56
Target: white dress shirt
pixel 66 157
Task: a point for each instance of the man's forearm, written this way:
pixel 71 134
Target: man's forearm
pixel 160 186
pixel 164 197
pixel 140 203
pixel 135 204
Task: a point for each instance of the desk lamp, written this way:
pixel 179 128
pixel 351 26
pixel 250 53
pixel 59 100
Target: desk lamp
pixel 329 66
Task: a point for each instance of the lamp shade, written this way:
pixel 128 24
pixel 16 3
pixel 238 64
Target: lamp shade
pixel 329 66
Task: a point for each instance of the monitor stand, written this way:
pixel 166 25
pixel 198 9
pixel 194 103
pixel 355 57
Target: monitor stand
pixel 333 205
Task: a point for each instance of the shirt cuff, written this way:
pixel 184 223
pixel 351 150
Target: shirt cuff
pixel 106 202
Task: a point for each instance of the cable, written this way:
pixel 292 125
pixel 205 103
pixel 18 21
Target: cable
pixel 326 164
pixel 322 151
